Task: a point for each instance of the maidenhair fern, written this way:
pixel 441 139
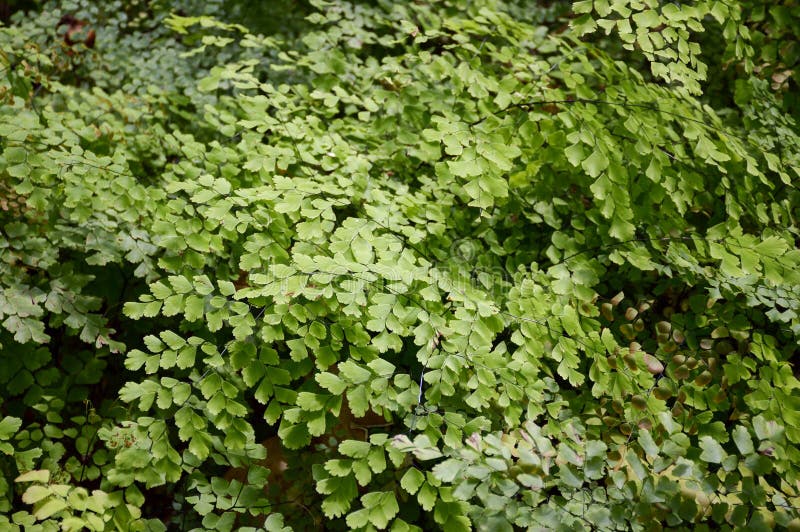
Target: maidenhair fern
pixel 409 266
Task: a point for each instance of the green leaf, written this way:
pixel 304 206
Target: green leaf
pixel 354 448
pixel 427 496
pixel 49 508
pixel 575 154
pixel 742 439
pixel 758 464
pixel 647 19
pixel 648 444
pixel 331 382
pixel 595 164
pixel 412 480
pixel 35 494
pixel 39 475
pixel 9 426
pixel 377 460
pixel 499 154
pixel 362 250
pixel 448 470
pixel 712 450
pixel 353 372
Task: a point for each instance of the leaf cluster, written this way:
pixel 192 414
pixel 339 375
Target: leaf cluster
pixel 404 265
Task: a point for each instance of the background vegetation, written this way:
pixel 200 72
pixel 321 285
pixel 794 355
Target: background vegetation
pixel 412 265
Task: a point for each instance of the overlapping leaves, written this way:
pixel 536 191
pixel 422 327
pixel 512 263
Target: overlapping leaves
pixel 466 273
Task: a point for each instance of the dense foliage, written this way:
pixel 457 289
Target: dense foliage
pixel 424 265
